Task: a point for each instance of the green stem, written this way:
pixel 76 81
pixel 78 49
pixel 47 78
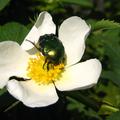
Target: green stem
pixel 11 106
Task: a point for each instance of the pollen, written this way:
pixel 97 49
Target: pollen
pixel 40 74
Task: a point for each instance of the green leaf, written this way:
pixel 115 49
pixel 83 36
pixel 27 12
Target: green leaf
pixel 2 91
pixel 114 76
pixel 107 109
pixel 114 116
pixel 111 98
pixel 81 108
pixel 107 44
pixel 83 99
pixel 13 31
pixel 3 4
pixel 111 40
pixel 85 3
pixel 105 24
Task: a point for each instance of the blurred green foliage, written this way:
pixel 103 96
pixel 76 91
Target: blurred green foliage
pixel 114 116
pixel 3 4
pixel 17 33
pixel 102 101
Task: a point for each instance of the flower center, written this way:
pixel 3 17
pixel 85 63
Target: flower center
pixel 40 74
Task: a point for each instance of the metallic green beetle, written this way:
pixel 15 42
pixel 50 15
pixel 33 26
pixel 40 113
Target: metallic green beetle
pixel 52 48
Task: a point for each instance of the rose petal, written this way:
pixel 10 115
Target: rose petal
pixel 43 25
pixel 73 32
pixel 80 76
pixel 13 61
pixel 32 94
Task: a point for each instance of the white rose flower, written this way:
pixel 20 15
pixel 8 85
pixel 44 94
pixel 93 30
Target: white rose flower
pixel 26 62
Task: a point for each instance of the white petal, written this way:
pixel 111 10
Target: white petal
pixel 80 76
pixel 43 25
pixel 13 61
pixel 73 32
pixel 32 94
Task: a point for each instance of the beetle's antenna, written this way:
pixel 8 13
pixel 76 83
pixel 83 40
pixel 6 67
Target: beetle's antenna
pixel 33 44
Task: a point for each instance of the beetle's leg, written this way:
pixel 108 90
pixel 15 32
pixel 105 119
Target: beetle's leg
pixel 46 60
pixel 50 65
pixel 18 78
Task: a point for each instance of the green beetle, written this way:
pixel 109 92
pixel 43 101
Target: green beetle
pixel 52 48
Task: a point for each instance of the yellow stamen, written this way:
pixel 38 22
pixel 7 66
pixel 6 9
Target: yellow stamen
pixel 41 75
